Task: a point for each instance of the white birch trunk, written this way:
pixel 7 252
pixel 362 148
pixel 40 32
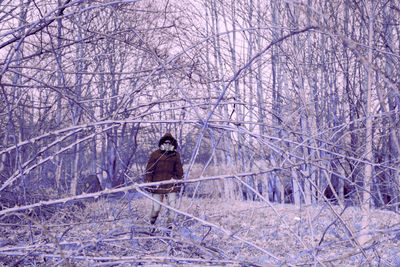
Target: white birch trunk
pixel 366 196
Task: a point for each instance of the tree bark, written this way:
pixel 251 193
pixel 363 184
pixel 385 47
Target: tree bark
pixel 368 174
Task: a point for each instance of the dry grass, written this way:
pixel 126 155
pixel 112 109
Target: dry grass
pixel 216 232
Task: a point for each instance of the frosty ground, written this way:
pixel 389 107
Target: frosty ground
pixel 214 232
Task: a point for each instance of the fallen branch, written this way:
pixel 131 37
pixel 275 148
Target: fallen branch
pixel 125 189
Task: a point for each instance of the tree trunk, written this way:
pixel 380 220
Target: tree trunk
pixel 366 196
pixel 75 108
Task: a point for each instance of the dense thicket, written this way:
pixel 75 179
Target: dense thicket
pixel 302 98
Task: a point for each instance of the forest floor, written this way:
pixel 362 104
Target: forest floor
pixel 116 232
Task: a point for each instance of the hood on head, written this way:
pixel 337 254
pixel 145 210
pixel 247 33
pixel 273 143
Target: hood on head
pixel 169 137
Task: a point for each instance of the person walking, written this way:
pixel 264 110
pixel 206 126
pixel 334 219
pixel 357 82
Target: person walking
pixel 164 164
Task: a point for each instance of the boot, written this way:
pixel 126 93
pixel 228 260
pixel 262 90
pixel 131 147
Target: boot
pixel 169 223
pixel 153 220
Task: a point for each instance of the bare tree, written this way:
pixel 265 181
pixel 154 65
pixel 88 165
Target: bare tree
pixel 282 102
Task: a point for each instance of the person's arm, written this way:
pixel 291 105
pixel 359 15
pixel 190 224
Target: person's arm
pixel 151 165
pixel 179 173
pixel 178 167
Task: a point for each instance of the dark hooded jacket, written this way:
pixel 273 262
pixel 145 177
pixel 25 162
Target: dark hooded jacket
pixel 164 165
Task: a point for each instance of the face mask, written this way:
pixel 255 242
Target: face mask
pixel 167 147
